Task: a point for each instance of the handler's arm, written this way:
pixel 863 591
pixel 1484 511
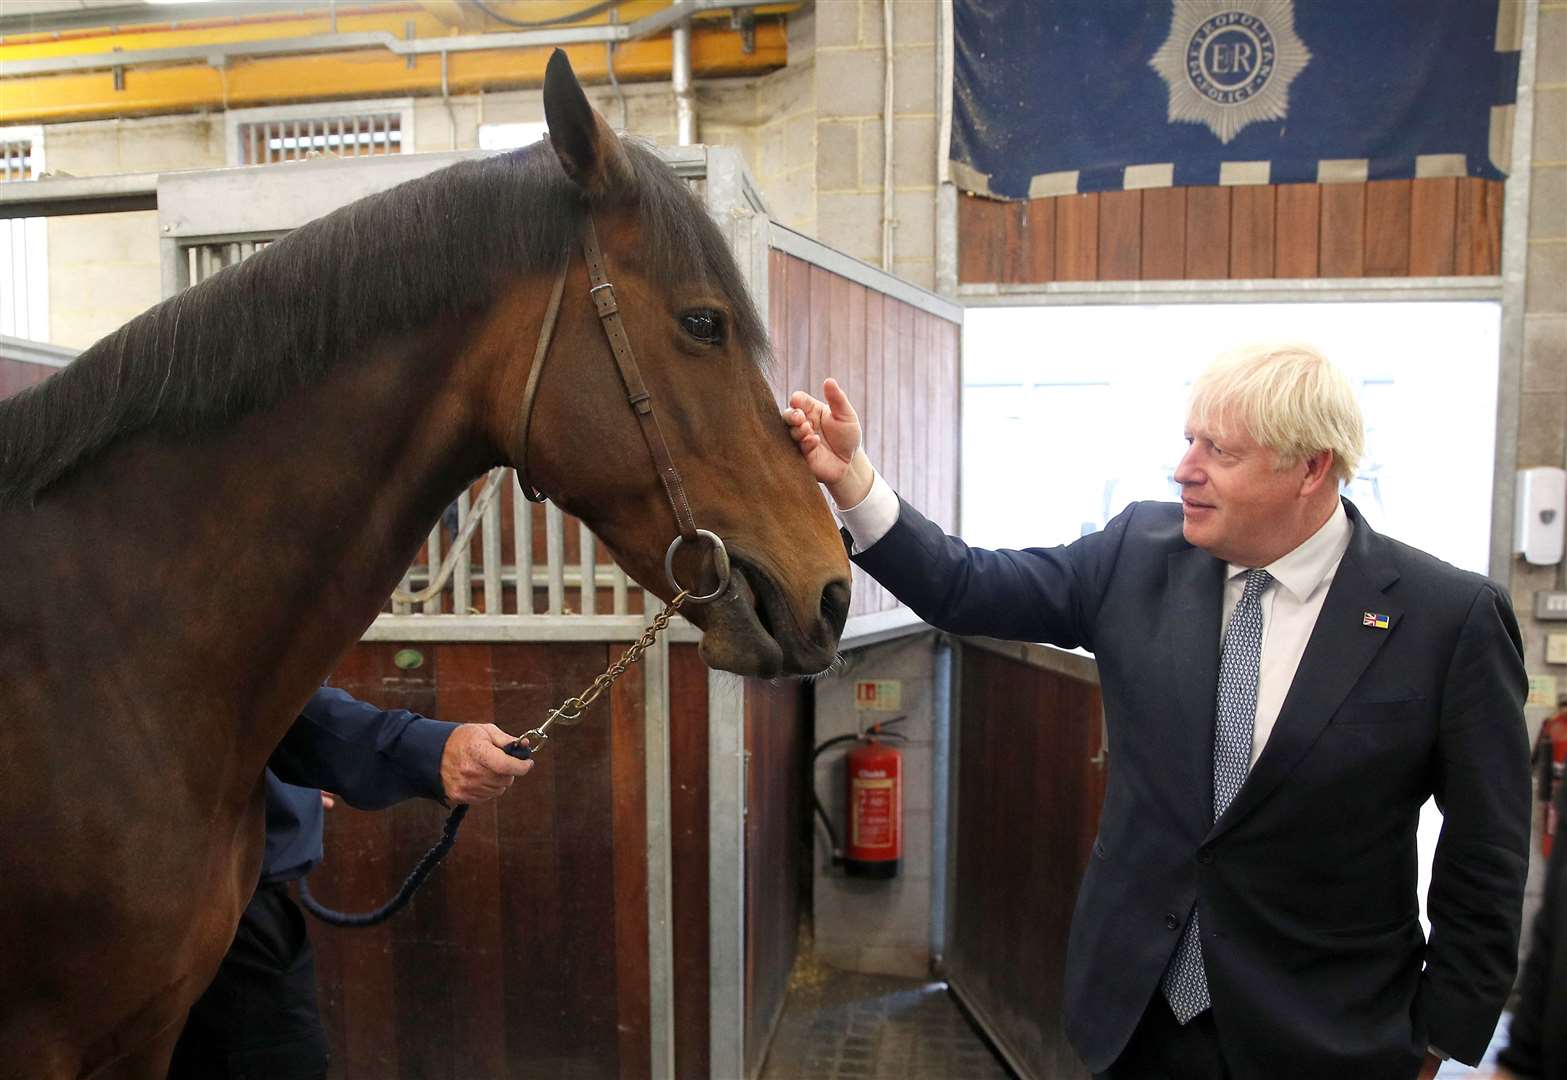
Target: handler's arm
pixel 372 757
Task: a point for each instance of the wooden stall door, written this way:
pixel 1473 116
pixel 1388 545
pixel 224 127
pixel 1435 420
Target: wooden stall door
pixel 688 821
pixel 1028 801
pixel 525 954
pixel 777 860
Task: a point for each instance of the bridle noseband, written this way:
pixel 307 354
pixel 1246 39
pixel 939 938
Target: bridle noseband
pixel 602 294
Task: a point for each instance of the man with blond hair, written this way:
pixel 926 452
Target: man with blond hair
pixel 1283 688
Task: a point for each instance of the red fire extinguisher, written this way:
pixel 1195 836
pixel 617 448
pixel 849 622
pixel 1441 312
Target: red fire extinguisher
pixel 875 840
pixel 873 844
pixel 1551 754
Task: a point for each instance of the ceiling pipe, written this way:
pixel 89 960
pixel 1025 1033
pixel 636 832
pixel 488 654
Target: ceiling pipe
pixel 678 14
pixel 680 79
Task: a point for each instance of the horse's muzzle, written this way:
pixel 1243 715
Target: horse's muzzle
pixel 753 629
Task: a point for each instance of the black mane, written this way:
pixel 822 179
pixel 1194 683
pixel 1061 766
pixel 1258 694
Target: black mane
pixel 438 246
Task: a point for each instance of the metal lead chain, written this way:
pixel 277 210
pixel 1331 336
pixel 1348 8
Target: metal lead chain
pixel 570 711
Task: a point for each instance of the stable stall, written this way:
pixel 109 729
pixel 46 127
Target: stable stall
pixel 632 908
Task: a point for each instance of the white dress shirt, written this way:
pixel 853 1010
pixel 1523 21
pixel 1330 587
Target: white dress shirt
pixel 1290 605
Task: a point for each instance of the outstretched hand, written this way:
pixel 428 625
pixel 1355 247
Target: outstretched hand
pixel 475 766
pixel 828 434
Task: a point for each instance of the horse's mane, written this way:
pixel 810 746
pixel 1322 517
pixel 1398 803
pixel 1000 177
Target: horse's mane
pixel 438 246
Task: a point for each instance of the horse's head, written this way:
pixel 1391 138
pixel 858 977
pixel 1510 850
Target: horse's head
pixel 701 350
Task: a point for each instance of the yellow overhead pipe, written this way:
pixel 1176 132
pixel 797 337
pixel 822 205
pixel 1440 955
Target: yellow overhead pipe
pixel 715 51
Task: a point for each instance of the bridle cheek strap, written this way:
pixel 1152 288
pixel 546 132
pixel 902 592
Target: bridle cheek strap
pixel 604 302
pixel 641 402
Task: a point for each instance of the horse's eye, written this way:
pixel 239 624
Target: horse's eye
pixel 704 324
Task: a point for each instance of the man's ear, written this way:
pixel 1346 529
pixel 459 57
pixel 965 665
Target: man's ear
pixel 1319 471
pixel 588 150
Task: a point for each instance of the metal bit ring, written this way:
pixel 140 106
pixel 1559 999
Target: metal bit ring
pixel 720 563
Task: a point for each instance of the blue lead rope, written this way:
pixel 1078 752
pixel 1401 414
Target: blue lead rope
pixel 415 877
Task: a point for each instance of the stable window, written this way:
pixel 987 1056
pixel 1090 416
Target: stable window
pixel 24 248
pixel 1071 413
pixel 343 129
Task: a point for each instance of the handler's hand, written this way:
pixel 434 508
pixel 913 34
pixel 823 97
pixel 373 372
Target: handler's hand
pixel 1429 1067
pixel 474 765
pixel 828 434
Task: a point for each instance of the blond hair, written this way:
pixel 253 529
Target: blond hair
pixel 1289 398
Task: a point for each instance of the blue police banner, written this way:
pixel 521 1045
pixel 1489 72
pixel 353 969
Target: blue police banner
pixel 1058 96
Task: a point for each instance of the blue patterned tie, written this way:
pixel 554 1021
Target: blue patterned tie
pixel 1185 981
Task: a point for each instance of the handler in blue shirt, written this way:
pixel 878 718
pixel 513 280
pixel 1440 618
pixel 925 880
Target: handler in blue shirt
pixel 259 1018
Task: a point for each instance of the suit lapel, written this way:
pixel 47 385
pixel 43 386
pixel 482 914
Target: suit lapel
pixel 1338 652
pixel 1193 604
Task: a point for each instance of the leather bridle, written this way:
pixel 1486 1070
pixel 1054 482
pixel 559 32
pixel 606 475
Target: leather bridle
pixel 602 294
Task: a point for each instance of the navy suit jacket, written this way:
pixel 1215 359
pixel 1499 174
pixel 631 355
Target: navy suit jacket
pixel 371 757
pixel 1316 960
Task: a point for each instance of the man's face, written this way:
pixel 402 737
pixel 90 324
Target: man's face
pixel 1237 504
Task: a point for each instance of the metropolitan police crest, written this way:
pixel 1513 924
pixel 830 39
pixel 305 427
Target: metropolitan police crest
pixel 1229 63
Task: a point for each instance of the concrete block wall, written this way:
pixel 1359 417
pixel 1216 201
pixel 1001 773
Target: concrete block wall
pixel 785 164
pixel 104 268
pixel 880 927
pixel 850 91
pixel 1542 421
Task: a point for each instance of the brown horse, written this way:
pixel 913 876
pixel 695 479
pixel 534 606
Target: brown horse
pixel 204 512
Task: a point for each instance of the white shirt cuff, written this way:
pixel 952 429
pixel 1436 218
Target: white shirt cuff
pixel 872 517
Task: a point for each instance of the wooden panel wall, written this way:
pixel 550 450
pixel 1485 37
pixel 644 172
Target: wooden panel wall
pixel 1384 228
pixel 1028 800
pixel 18 375
pixel 777 861
pixel 898 364
pixel 688 817
pixel 525 954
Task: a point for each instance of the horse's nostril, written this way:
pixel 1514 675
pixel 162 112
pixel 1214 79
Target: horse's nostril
pixel 835 605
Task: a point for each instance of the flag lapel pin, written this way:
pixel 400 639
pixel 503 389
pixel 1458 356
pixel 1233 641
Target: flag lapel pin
pixel 1371 618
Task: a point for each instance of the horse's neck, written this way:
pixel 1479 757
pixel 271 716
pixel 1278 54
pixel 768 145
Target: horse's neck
pixel 223 576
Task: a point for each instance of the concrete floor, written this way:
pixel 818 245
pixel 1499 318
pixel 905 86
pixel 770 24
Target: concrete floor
pixel 837 1025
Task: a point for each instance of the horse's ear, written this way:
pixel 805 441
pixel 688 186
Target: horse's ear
pixel 588 150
